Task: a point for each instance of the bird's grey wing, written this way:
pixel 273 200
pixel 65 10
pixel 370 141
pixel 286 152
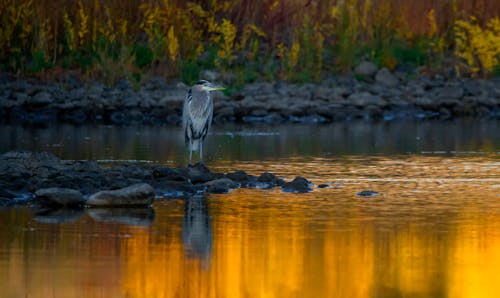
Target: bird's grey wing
pixel 186 115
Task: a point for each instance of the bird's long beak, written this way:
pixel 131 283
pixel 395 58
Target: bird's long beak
pixel 213 87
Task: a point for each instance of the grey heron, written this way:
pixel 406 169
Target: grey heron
pixel 197 115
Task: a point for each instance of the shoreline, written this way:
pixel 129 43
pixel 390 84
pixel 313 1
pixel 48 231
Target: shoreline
pixel 377 96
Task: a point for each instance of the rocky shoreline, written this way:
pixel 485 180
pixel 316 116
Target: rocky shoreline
pixel 41 178
pixel 371 94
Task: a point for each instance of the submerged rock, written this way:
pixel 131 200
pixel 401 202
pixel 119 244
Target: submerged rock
pixel 135 195
pixel 222 185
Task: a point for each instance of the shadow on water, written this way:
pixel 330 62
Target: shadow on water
pixel 197 229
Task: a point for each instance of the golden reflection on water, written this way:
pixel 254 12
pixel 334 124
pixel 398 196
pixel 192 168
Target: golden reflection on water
pixel 433 232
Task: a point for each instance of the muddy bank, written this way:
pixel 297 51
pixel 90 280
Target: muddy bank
pixel 27 177
pixel 370 94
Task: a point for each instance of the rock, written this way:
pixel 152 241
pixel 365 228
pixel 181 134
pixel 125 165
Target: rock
pixel 41 99
pixel 222 185
pixel 367 193
pixel 199 173
pixel 269 180
pixel 241 177
pixel 453 92
pixel 366 69
pixel 297 185
pixel 135 195
pixel 60 196
pixel 364 99
pixel 385 77
pixel 323 185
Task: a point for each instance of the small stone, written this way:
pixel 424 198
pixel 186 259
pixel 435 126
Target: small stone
pixel 450 92
pixel 363 99
pixel 141 194
pixel 61 196
pixel 323 185
pixel 367 193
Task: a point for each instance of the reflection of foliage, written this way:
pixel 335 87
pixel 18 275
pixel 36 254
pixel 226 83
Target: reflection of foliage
pixel 294 40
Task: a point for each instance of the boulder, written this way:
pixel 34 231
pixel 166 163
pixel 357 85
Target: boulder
pixel 60 196
pixel 363 99
pixel 297 185
pixel 141 194
pixel 222 185
pixel 366 69
pixel 385 77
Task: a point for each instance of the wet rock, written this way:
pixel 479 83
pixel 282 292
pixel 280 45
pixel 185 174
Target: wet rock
pixel 323 185
pixel 297 185
pixel 135 195
pixel 222 185
pixel 269 180
pixel 366 69
pixel 241 177
pixel 60 196
pixel 199 173
pixel 385 77
pixel 130 216
pixel 367 193
pixel 167 173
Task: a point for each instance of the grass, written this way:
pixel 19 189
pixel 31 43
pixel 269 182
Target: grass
pixel 297 40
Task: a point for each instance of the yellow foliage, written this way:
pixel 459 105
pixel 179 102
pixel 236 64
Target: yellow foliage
pixel 83 27
pixel 173 44
pixel 478 47
pixel 228 33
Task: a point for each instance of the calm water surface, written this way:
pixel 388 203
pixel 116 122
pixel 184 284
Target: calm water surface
pixel 434 230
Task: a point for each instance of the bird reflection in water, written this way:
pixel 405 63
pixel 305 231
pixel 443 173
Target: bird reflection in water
pixel 197 229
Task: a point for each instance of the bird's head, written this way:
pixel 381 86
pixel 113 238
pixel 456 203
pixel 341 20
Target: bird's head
pixel 203 85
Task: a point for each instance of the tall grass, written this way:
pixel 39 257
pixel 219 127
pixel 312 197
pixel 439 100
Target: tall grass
pixel 293 39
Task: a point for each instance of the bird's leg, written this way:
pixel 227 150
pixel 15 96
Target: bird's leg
pixel 201 152
pixel 190 152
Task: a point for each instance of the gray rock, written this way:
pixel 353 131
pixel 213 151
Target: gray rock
pixel 61 196
pixel 141 194
pixel 385 77
pixel 366 69
pixel 426 103
pixel 453 92
pixel 41 98
pixel 365 98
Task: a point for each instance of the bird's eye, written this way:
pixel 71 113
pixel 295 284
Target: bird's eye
pixel 201 82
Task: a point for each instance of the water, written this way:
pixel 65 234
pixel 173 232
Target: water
pixel 433 230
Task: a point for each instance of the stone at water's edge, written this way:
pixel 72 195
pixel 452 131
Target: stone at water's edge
pixel 60 196
pixel 135 195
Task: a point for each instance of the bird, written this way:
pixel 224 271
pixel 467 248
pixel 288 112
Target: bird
pixel 197 115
